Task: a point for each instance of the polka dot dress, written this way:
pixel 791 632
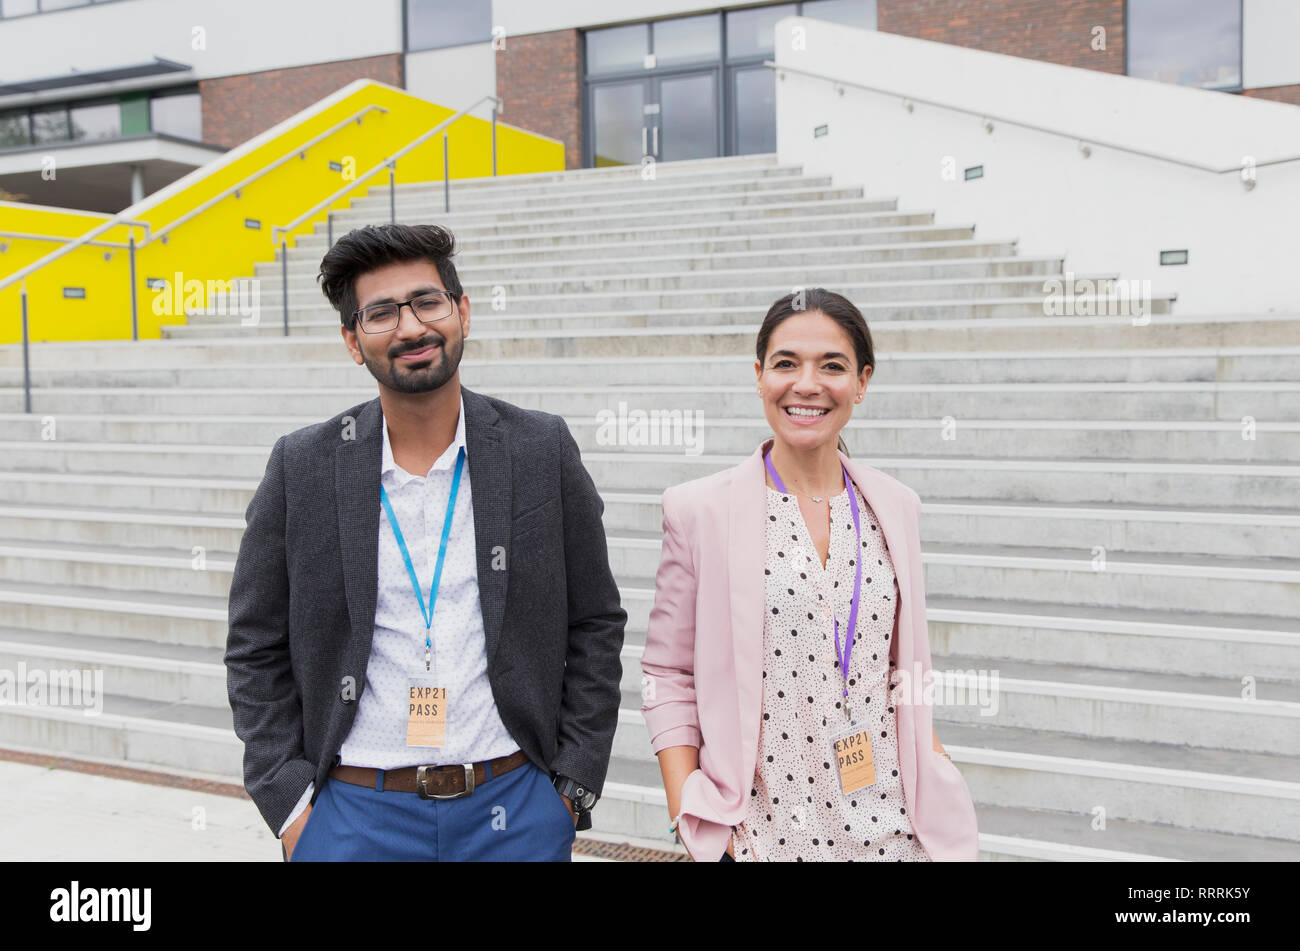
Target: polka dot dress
pixel 797 811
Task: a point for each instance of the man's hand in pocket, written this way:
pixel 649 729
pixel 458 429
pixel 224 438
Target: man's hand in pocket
pixel 290 837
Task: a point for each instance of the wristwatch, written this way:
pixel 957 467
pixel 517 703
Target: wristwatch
pixel 583 799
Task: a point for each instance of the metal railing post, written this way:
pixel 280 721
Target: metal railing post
pixel 446 177
pixel 284 281
pixel 135 311
pixel 392 193
pixel 494 141
pixel 329 231
pixel 27 368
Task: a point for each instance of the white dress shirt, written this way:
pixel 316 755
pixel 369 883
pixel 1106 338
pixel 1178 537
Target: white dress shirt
pixel 474 729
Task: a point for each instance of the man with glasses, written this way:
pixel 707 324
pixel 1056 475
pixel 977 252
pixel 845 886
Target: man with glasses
pixel 423 658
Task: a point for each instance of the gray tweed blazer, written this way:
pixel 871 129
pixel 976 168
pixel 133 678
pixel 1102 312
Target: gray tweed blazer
pixel 302 599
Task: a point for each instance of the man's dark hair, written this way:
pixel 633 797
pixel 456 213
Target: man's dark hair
pixel 373 246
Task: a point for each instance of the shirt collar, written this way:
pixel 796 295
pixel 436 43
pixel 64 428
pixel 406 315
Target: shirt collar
pixel 395 474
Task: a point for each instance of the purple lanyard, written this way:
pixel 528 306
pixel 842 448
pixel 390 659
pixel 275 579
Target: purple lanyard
pixel 846 652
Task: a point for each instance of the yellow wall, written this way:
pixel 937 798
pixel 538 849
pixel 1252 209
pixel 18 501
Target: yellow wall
pixel 216 245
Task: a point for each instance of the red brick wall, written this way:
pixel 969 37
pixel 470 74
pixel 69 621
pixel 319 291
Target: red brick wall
pixel 236 108
pixel 539 77
pixel 1289 94
pixel 1035 29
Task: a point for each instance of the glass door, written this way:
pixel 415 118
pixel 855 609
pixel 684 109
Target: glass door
pixel 684 121
pixel 619 132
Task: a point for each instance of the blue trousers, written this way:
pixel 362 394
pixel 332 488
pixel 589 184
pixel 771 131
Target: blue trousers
pixel 516 817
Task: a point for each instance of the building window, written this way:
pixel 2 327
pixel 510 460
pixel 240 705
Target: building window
pixel 50 125
pixel 617 49
pixel 179 114
pixel 687 40
pixel 176 112
pixel 752 32
pixel 755 99
pixel 15 130
pixel 100 120
pixel 436 24
pixel 1189 42
pixel 858 13
pixel 665 89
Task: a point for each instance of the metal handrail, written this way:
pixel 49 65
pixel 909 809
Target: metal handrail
pixel 297 150
pixel 29 236
pixel 1029 125
pixel 72 245
pixel 385 163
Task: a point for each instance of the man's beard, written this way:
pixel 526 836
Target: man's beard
pixel 421 378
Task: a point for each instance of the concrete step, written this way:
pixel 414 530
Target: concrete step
pixel 1224 791
pixel 1097 704
pixel 1104 638
pixel 1013 315
pixel 1244 532
pixel 506 193
pixel 1250 410
pixel 202 496
pixel 171 618
pixel 1050 480
pixel 881 240
pixel 519 209
pixel 506 285
pixel 800 211
pixel 142 670
pixel 705 338
pixel 117 569
pixel 597 232
pixel 1161 581
pixel 1144 368
pixel 1195 583
pixel 759 293
pixel 953 476
pixel 1240 533
pixel 721 167
pixel 503 192
pixel 487 269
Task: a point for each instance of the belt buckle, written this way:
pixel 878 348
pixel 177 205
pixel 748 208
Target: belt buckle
pixel 422 790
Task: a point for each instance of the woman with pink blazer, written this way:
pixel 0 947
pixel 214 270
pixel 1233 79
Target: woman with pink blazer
pixel 785 663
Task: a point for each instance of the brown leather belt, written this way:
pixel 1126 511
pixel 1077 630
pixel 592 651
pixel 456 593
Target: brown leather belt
pixel 431 782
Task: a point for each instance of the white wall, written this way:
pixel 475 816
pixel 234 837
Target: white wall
pixel 453 77
pixel 1270 43
pixel 1109 213
pixel 241 36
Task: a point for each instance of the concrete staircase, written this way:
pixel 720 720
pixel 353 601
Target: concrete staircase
pixel 1101 531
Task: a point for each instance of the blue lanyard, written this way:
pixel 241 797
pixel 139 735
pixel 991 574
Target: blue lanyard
pixel 442 553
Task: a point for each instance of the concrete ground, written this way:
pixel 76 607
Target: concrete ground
pixel 58 809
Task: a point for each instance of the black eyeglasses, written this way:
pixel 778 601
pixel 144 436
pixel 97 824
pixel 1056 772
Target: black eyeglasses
pixel 427 307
